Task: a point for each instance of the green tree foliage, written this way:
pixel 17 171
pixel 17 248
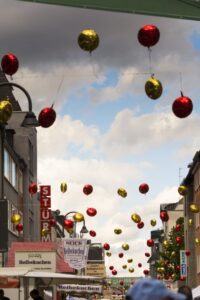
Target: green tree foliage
pixel 168 266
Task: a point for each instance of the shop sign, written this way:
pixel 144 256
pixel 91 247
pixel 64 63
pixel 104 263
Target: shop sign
pixel 95 270
pixel 97 289
pixel 45 212
pixel 40 261
pixel 183 264
pixel 75 252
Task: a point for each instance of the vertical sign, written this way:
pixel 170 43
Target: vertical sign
pixel 45 212
pixel 183 264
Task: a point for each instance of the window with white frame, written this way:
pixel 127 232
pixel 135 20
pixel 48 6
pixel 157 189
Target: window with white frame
pixel 12 172
pixel 11 211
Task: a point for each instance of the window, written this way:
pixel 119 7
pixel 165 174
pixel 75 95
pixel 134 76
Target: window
pixel 11 211
pixel 11 172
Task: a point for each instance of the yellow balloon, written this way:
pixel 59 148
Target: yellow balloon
pixel 125 246
pixel 5 110
pixel 197 241
pixel 117 231
pixel 165 243
pixel 153 88
pixel 135 218
pixel 182 190
pixel 44 232
pixel 78 217
pixel 194 208
pixel 122 192
pixel 131 270
pixel 108 254
pixel 153 222
pixel 173 254
pixel 63 187
pixel 190 222
pixel 15 219
pixel 124 266
pixel 130 260
pixel 88 40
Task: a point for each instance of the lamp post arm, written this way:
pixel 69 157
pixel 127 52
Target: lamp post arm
pixel 22 89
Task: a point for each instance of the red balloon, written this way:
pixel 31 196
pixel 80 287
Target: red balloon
pixel 150 243
pixel 106 246
pixel 111 268
pixel 140 225
pixel 147 254
pixel 148 35
pixel 182 107
pixel 47 117
pixel 32 188
pixel 87 189
pixel 146 272
pixel 68 224
pixel 178 268
pixel 187 252
pixel 9 64
pixel 19 227
pixel 52 222
pixel 143 188
pixel 114 272
pixel 121 282
pixel 139 265
pixel 178 227
pixel 166 277
pixel 182 278
pixel 121 255
pixel 91 212
pixel 92 233
pixel 179 240
pixel 164 216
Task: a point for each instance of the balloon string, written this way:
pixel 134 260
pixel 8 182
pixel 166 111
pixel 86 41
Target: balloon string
pixel 150 60
pixel 93 66
pixel 181 82
pixel 58 90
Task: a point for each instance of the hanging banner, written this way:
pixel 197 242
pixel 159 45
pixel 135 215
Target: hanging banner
pixel 97 289
pixel 75 252
pixel 97 270
pixel 45 212
pixel 183 264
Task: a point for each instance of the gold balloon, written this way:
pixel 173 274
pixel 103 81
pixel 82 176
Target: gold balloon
pixel 130 260
pixel 63 187
pixel 108 254
pixel 153 222
pixel 182 190
pixel 78 217
pixel 135 218
pixel 44 232
pixel 69 230
pixel 88 40
pixel 173 253
pixel 153 88
pixel 173 276
pixel 5 110
pixel 122 192
pixel 124 266
pixel 190 222
pixel 117 231
pixel 15 219
pixel 165 243
pixel 197 241
pixel 125 246
pixel 194 208
pixel 131 270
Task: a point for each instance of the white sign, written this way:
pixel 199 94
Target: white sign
pixel 80 288
pixel 36 260
pixel 75 252
pixel 183 263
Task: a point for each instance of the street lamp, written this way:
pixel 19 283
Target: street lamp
pixel 29 121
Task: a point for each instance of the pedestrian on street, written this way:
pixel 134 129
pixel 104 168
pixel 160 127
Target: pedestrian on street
pixel 2 297
pixel 152 289
pixel 186 290
pixel 35 295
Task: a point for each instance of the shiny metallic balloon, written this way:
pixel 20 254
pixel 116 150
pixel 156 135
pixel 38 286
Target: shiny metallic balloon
pixel 15 219
pixel 153 222
pixel 88 40
pixel 5 111
pixel 122 192
pixel 125 246
pixel 194 208
pixel 63 187
pixel 78 217
pixel 117 231
pixel 153 88
pixel 182 190
pixel 135 218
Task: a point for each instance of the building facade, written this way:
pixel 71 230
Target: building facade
pixel 20 169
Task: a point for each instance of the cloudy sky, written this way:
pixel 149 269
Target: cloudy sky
pixel 108 132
